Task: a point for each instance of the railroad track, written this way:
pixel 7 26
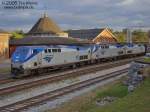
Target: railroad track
pixel 24 104
pixel 60 76
pixel 3 81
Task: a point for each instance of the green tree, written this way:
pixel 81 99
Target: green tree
pixel 139 36
pixel 18 34
pixel 121 36
pixel 148 34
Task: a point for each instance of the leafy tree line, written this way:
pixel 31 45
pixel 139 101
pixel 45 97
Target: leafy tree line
pixel 18 34
pixel 137 36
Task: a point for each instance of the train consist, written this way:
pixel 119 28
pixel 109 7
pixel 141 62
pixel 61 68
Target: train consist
pixel 28 60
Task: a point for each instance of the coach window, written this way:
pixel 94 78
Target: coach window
pixel 35 51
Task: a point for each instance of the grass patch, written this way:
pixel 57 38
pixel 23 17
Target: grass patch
pixel 118 90
pixel 147 59
pixel 138 101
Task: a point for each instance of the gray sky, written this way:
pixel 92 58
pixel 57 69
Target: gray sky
pixel 74 14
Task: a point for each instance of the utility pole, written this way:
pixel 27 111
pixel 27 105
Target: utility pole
pixel 128 35
pixel 149 36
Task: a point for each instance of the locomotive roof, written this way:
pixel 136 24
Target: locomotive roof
pixel 47 41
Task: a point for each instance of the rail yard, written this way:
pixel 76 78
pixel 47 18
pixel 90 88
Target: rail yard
pixel 99 61
pixel 13 87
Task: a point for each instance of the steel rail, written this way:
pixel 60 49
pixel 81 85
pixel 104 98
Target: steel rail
pixel 24 104
pixel 58 77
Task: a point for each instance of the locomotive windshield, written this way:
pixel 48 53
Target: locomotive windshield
pixel 21 50
pixel 20 54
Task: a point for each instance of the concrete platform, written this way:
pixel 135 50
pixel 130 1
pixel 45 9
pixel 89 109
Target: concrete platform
pixel 5 63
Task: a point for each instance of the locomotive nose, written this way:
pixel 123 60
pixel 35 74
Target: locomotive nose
pixel 18 58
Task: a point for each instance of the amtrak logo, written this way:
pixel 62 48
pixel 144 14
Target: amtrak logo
pixel 95 49
pixel 48 58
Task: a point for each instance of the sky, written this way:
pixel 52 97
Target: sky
pixel 79 14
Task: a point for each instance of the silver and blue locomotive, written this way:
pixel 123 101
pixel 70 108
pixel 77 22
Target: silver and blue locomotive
pixel 27 60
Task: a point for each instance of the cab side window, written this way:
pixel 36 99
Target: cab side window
pixel 105 47
pixel 45 50
pixel 52 50
pixel 35 51
pixel 49 50
pixel 56 50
